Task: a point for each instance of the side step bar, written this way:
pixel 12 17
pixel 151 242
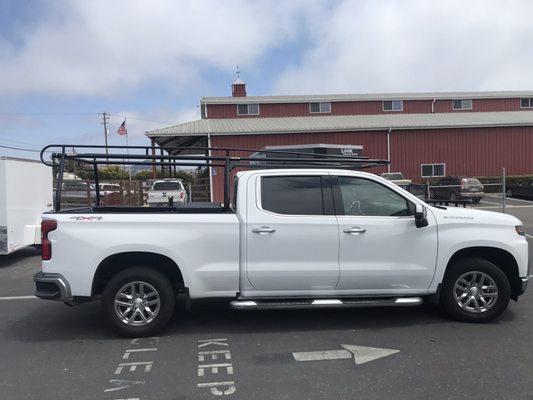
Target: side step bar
pixel 244 304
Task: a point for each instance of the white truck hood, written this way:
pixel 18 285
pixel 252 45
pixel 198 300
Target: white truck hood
pixel 456 214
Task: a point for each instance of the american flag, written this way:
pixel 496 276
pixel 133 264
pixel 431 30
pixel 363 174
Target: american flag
pixel 122 129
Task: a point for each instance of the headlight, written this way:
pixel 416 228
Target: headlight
pixel 520 230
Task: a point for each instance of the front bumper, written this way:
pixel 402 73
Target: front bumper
pixel 52 287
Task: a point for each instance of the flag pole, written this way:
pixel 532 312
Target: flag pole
pixel 128 150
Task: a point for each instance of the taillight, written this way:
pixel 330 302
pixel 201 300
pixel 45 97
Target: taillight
pixel 47 225
pixel 182 195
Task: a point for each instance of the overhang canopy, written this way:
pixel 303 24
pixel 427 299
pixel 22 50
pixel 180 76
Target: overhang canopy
pixel 339 123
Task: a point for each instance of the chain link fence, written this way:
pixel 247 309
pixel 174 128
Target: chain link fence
pixel 123 193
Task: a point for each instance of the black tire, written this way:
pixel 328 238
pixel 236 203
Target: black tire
pixel 463 266
pixel 509 193
pixel 476 200
pixel 163 289
pixel 454 196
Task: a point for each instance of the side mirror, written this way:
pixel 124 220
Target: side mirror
pixel 421 219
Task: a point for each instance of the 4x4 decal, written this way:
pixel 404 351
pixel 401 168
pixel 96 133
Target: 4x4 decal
pixel 84 218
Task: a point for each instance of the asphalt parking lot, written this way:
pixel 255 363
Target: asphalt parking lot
pixel 50 351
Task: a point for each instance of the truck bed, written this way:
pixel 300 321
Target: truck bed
pixel 188 208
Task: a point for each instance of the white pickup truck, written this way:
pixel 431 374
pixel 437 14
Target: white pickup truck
pixel 293 238
pixel 165 192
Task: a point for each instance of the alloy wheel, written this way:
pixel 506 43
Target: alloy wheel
pixel 475 292
pixel 137 303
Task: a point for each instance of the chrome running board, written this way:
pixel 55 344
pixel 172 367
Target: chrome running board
pixel 266 304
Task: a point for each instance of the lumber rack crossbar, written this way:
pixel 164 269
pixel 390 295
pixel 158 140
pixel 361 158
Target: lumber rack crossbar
pixel 89 157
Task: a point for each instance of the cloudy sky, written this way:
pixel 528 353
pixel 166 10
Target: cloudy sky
pixel 63 62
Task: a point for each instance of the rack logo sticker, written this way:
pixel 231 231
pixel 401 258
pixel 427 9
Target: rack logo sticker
pixel 84 218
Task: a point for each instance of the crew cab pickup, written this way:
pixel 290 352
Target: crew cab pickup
pixel 292 238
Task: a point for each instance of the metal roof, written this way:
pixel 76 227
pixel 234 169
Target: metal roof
pixel 250 126
pixel 368 97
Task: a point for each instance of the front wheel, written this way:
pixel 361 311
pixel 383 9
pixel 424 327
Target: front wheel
pixel 509 193
pixel 475 290
pixel 138 302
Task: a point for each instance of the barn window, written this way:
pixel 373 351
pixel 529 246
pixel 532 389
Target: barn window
pixel 526 102
pixel 320 107
pixel 393 105
pixel 462 104
pixel 430 170
pixel 247 109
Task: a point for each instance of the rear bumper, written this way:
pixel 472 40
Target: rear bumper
pixel 472 195
pixel 52 287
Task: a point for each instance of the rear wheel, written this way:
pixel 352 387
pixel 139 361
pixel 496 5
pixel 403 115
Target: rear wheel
pixel 509 193
pixel 138 302
pixel 476 200
pixel 475 290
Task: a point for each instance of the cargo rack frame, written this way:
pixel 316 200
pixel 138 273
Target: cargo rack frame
pixel 229 160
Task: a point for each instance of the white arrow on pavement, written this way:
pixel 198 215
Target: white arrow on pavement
pixel 361 354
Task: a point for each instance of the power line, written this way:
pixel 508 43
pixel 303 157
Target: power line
pixel 44 113
pixel 142 119
pixel 19 148
pixel 19 142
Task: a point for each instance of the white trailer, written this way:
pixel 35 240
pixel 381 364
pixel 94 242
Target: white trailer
pixel 25 193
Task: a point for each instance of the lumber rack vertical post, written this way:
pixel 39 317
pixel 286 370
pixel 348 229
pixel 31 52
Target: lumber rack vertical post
pixel 96 183
pixel 59 182
pixel 227 173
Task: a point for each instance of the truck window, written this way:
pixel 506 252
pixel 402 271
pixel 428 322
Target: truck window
pixel 167 186
pixel 369 198
pixel 293 195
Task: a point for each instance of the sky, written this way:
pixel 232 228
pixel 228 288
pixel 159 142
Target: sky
pixel 63 63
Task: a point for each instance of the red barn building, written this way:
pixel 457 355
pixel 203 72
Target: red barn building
pixel 422 134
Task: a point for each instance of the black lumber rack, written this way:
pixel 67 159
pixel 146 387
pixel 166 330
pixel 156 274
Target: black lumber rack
pixel 89 157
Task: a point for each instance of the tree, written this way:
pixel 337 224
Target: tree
pixel 112 172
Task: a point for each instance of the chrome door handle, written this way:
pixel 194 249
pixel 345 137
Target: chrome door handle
pixel 264 230
pixel 355 230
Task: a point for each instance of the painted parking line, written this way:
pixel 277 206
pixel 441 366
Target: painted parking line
pixel 18 297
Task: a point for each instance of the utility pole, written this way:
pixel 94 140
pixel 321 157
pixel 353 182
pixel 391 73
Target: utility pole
pixel 105 118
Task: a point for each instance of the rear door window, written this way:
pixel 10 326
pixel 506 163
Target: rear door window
pixel 292 195
pixel 167 186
